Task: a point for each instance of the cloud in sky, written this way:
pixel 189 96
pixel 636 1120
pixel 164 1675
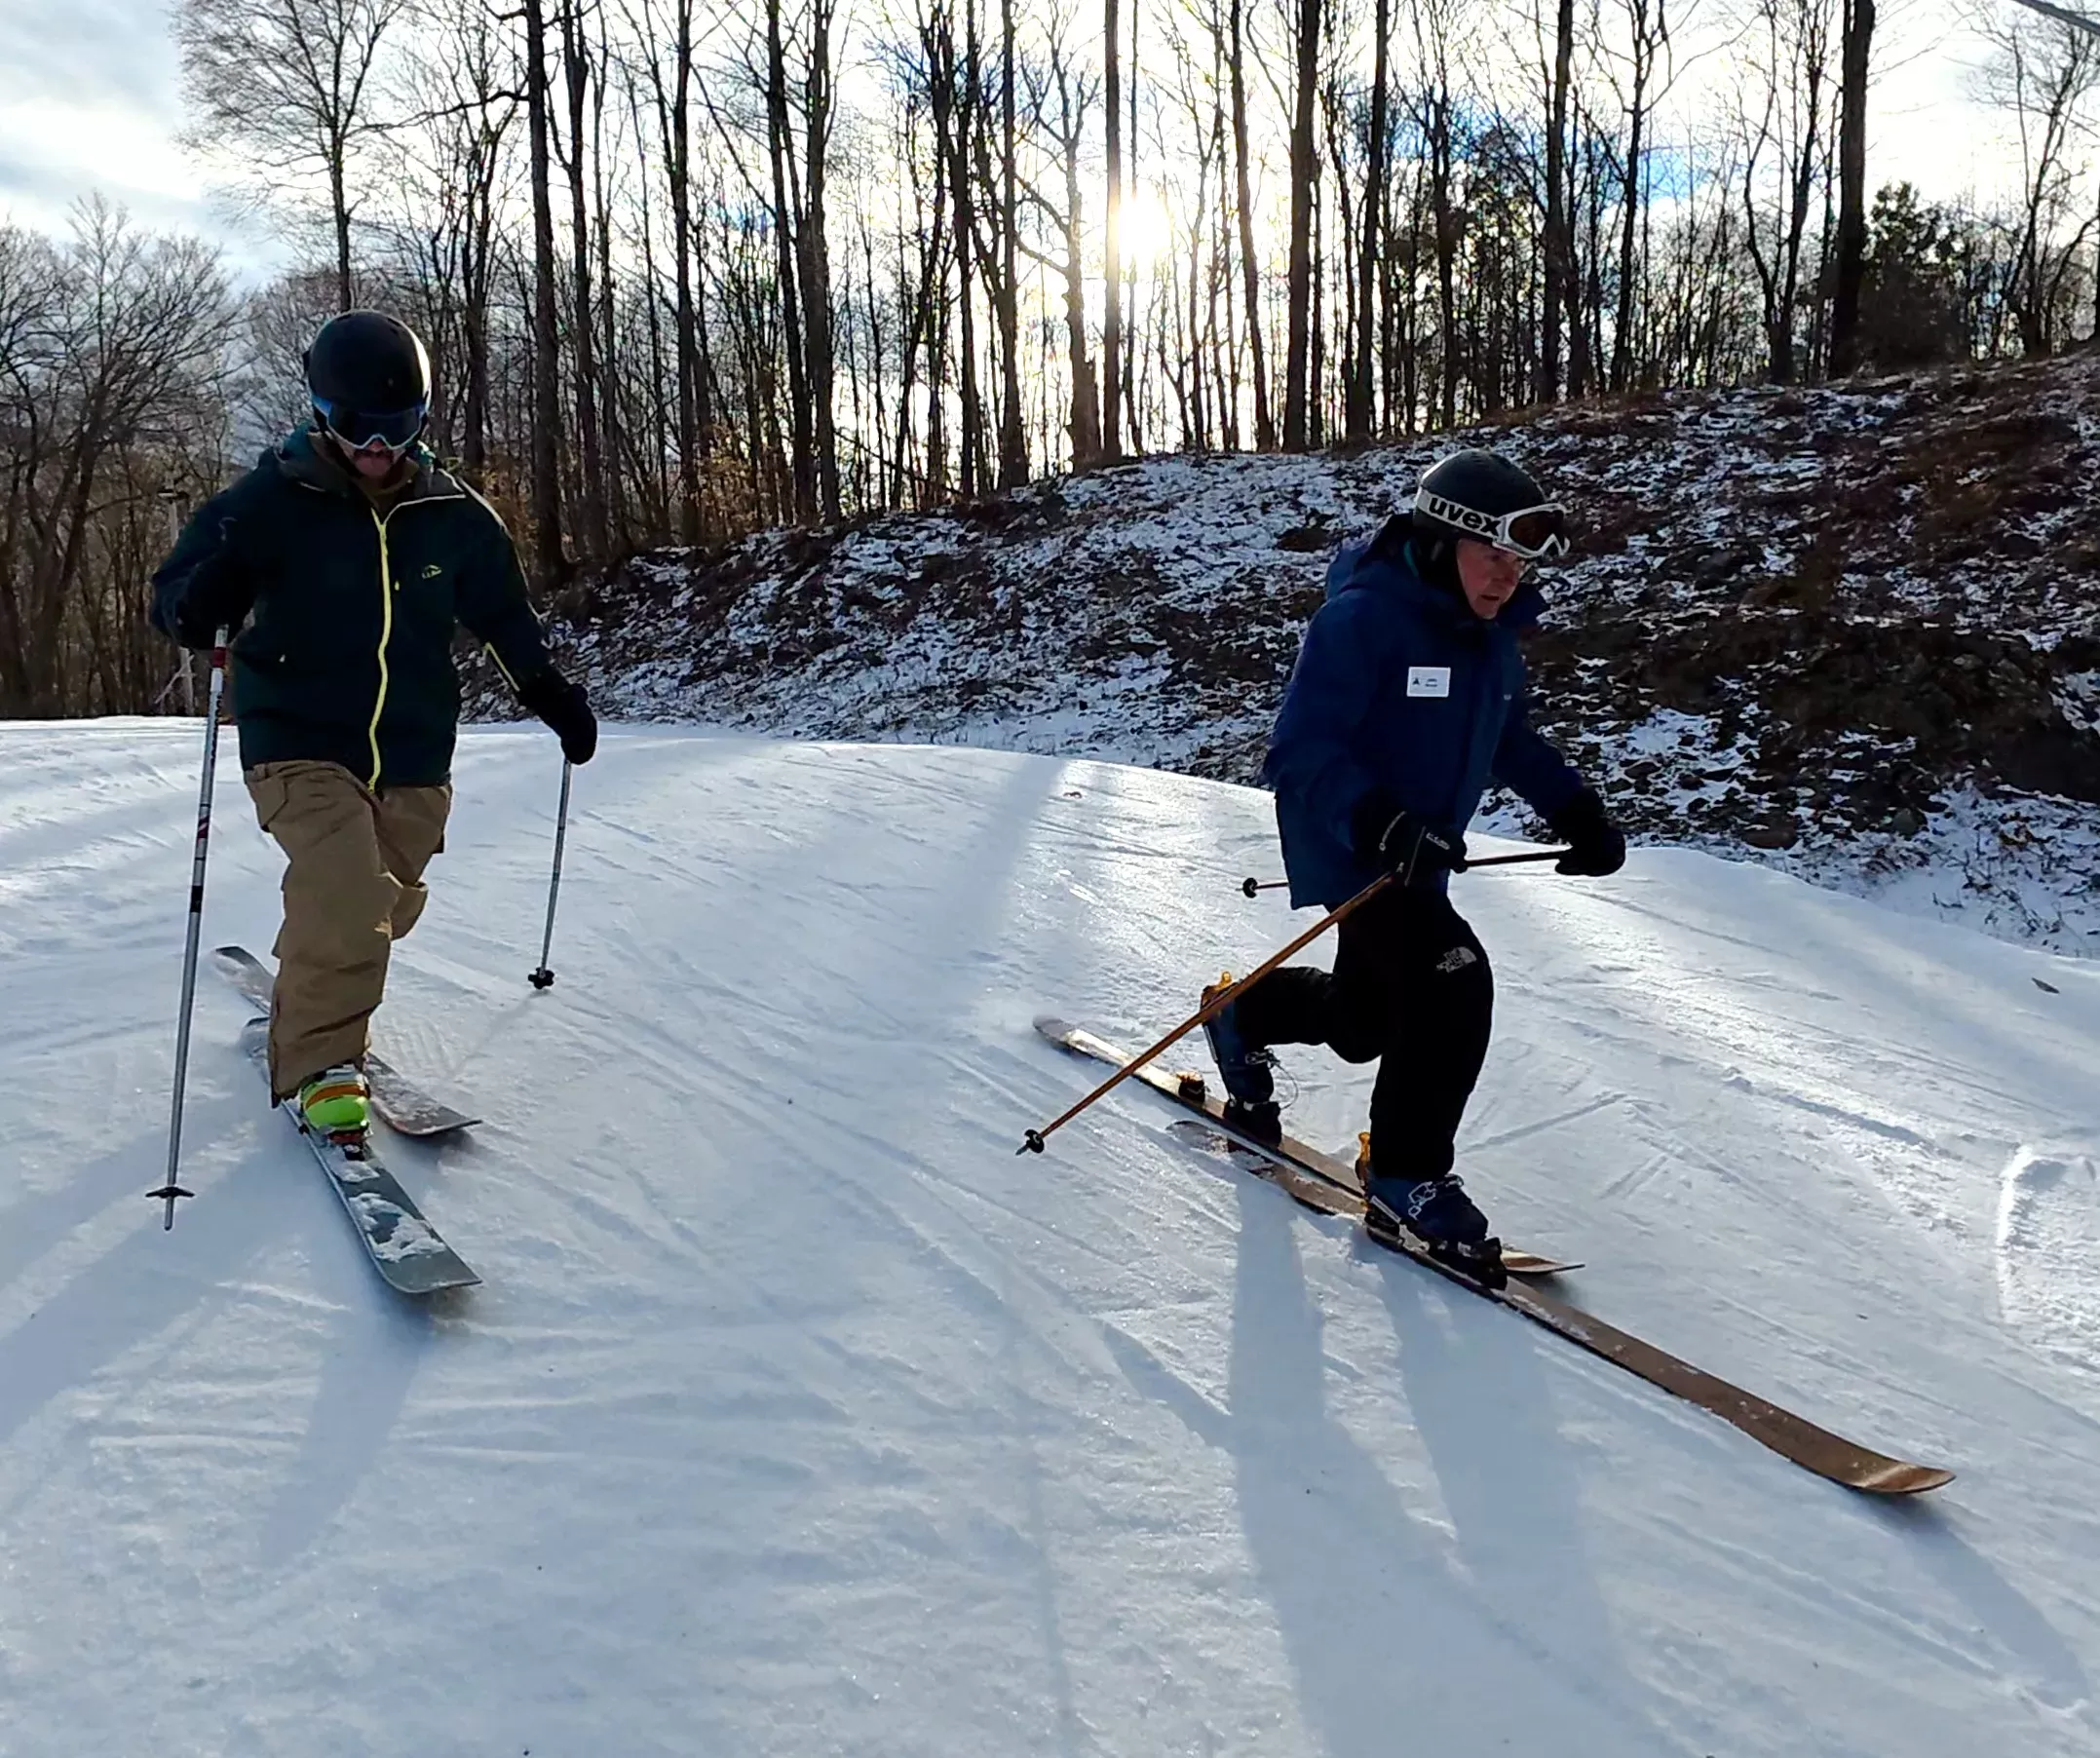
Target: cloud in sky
pixel 89 101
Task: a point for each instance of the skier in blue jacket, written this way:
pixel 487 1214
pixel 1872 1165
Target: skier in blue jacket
pixel 1406 701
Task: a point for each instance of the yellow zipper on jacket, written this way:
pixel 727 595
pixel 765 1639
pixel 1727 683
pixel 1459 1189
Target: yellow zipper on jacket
pixel 386 635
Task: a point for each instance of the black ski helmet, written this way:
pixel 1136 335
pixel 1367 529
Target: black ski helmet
pixel 1476 493
pixel 369 378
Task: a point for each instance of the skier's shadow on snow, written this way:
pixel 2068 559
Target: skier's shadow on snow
pixel 1466 1640
pixel 368 1361
pixel 147 1282
pixel 155 1284
pixel 2055 1674
pixel 1393 1647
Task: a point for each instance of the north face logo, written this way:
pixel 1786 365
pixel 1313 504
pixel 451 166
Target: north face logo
pixel 1456 959
pixel 431 570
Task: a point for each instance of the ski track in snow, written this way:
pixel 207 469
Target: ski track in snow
pixel 796 1414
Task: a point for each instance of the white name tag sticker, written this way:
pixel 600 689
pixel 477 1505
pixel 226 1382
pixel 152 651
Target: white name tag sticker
pixel 1429 681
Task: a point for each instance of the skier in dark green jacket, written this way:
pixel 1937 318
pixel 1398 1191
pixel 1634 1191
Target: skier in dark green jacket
pixel 354 560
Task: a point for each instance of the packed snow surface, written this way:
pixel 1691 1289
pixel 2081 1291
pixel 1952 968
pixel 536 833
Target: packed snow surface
pixel 798 1415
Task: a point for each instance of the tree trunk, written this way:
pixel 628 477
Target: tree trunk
pixel 1250 264
pixel 1086 434
pixel 346 292
pixel 548 564
pixel 577 72
pixel 802 468
pixel 1013 438
pixel 815 260
pixel 1361 382
pixel 1304 168
pixel 1560 270
pixel 1112 273
pixel 1133 351
pixel 1851 256
pixel 1633 196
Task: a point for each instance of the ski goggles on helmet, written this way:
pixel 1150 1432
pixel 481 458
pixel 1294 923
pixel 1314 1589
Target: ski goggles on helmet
pixel 1532 532
pixel 359 429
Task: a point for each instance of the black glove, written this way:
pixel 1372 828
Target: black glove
pixel 1398 842
pixel 1596 846
pixel 565 708
pixel 215 597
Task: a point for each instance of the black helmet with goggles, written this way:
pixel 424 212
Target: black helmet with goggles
pixel 369 378
pixel 1476 494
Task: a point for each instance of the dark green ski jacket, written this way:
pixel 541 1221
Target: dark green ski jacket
pixel 348 658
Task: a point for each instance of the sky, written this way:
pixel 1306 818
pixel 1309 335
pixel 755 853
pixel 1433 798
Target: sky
pixel 89 102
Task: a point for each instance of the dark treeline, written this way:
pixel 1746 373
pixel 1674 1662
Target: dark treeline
pixel 688 269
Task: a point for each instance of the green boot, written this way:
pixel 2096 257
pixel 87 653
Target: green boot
pixel 336 1102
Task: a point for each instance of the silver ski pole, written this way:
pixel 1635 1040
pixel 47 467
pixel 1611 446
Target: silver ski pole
pixel 169 1192
pixel 543 977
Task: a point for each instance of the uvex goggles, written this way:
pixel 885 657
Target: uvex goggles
pixel 1532 532
pixel 357 429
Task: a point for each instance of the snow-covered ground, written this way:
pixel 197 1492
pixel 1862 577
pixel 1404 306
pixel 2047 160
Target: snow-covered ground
pixel 798 1415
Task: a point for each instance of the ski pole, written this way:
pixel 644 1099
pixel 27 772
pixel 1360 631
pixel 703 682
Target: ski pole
pixel 543 977
pixel 1251 886
pixel 1467 867
pixel 169 1192
pixel 1032 1142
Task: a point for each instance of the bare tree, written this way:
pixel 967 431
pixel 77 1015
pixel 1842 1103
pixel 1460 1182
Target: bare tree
pixel 2043 71
pixel 108 355
pixel 290 83
pixel 1848 269
pixel 1066 128
pixel 1780 106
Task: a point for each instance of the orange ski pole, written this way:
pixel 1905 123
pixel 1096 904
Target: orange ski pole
pixel 1032 1142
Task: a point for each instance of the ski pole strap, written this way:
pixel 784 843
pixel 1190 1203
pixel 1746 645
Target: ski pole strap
pixel 1033 1141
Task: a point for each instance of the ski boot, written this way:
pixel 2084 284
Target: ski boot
pixel 1246 1071
pixel 1438 1212
pixel 337 1104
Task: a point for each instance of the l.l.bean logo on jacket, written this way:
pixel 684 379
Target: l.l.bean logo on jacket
pixel 1429 681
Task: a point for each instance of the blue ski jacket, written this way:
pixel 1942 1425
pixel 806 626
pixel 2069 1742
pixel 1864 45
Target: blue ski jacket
pixel 1399 687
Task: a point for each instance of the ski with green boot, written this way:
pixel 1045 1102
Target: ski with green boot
pixel 406 1250
pixel 397 1101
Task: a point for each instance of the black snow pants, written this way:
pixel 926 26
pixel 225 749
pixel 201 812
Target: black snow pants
pixel 1410 988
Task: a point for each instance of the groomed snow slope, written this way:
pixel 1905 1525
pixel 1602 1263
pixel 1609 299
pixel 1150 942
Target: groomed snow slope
pixel 797 1414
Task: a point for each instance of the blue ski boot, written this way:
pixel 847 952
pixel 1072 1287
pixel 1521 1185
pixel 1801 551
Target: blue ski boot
pixel 1438 1212
pixel 1246 1071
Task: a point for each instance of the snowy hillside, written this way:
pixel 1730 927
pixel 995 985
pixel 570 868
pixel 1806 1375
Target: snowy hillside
pixel 1852 632
pixel 797 1414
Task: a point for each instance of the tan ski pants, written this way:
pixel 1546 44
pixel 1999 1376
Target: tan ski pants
pixel 353 887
